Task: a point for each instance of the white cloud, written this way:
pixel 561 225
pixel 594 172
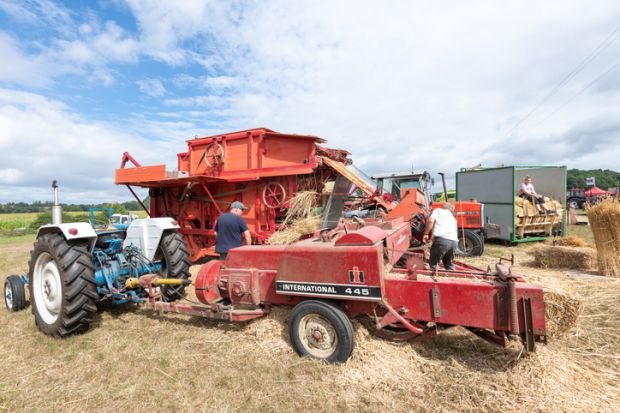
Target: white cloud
pixel 42 139
pixel 210 100
pixel 436 86
pixel 10 175
pixel 79 49
pixel 152 87
pixel 207 82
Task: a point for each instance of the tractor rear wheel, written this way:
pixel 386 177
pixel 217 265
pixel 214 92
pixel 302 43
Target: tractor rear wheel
pixel 471 244
pixel 174 264
pixel 322 331
pixel 14 293
pixel 62 286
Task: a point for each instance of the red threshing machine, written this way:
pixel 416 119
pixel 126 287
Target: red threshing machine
pixel 262 168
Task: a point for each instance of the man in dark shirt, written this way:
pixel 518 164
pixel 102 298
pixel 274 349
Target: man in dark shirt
pixel 230 228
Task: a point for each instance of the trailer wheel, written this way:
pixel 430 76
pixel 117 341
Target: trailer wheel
pixel 322 331
pixel 62 286
pixel 470 244
pixel 175 264
pixel 14 293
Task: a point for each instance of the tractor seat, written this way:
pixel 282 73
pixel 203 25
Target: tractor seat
pixel 104 237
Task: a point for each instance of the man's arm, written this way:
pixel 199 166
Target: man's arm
pixel 428 228
pixel 248 237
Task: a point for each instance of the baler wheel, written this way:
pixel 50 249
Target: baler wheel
pixel 274 195
pixel 322 331
pixel 62 286
pixel 14 293
pixel 175 264
pixel 470 244
pixel 396 333
pixel 214 155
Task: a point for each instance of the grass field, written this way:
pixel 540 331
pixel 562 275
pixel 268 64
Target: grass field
pixel 135 360
pixel 16 223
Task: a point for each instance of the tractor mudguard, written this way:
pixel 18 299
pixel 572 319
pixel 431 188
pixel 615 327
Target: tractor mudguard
pixel 146 233
pixel 71 231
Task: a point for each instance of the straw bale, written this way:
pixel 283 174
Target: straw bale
pixel 524 208
pixel 578 258
pixel 569 241
pixel 562 311
pixel 604 219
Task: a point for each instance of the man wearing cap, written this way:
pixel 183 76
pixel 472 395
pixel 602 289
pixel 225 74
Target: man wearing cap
pixel 230 229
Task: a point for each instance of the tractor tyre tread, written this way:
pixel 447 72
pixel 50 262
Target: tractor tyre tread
pixel 339 320
pixel 177 261
pixel 79 290
pixel 18 292
pixel 475 239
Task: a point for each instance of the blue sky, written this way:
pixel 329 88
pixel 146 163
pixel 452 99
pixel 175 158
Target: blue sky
pixel 439 86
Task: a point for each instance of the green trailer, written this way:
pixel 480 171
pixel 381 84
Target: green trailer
pixel 496 188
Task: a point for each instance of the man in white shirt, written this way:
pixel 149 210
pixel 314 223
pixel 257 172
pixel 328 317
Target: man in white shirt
pixel 527 191
pixel 445 236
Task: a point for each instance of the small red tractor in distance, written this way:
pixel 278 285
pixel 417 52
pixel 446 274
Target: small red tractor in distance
pixel 469 214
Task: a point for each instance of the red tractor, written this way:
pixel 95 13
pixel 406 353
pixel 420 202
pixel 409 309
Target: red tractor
pixel 469 214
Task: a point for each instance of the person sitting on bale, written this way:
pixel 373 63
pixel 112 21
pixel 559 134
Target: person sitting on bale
pixel 527 191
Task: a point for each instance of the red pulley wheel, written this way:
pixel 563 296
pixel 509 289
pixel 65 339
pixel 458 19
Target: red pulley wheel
pixel 274 195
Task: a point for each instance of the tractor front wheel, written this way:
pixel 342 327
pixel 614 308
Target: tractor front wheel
pixel 62 286
pixel 322 331
pixel 470 244
pixel 174 259
pixel 14 293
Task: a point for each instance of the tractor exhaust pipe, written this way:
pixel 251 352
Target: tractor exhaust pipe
pixel 56 208
pixel 443 183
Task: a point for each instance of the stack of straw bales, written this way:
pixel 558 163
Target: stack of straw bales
pixel 604 220
pixel 525 208
pixel 300 220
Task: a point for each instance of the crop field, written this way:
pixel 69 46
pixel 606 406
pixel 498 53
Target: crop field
pixel 16 223
pixel 135 360
pixel 11 222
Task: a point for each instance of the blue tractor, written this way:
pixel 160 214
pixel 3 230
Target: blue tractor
pixel 72 268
